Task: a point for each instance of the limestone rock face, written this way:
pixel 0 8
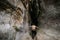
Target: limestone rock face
pixel 50 20
pixel 9 18
pixel 6 31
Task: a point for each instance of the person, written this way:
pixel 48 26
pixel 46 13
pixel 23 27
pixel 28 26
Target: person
pixel 33 31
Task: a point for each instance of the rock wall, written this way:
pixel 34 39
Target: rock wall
pixel 49 22
pixel 10 19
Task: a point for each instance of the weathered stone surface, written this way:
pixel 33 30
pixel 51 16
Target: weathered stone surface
pixel 49 22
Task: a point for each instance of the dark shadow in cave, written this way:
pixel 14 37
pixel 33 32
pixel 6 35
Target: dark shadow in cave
pixel 34 14
pixel 34 11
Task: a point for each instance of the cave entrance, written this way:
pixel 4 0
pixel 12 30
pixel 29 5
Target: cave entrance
pixel 34 11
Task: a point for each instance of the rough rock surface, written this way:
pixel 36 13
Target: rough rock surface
pixel 49 22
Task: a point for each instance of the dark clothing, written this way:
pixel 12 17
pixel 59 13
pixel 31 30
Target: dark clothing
pixel 33 34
